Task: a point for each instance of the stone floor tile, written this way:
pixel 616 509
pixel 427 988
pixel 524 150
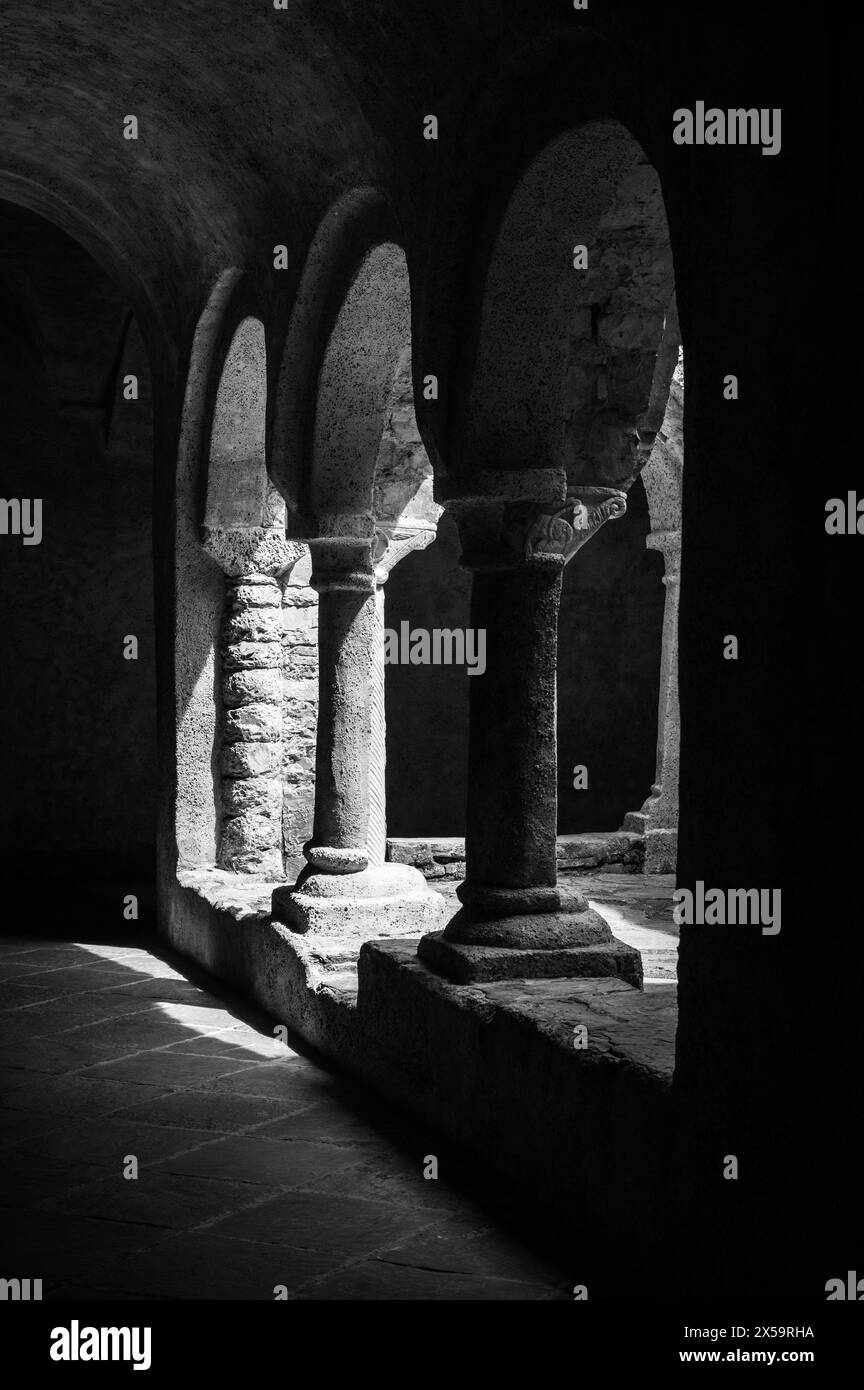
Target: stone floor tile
pixel 81 1095
pixel 207 1110
pixel 326 1123
pixel 396 1179
pixel 457 1246
pixel 293 1078
pixel 206 1266
pixel 372 1279
pixel 242 1158
pixel 106 1143
pixel 247 1043
pixel 58 1247
pixel 157 1198
pixel 322 1221
pixel 169 1068
pixel 25 1185
pixel 52 1016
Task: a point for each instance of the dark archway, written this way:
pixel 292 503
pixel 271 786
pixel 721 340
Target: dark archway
pixel 79 686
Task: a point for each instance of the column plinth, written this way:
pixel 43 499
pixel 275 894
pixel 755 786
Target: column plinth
pixel 515 921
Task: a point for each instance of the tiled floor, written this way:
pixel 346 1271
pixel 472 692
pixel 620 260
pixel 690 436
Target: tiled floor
pixel 260 1173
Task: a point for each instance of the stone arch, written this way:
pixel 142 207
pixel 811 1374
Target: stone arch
pixel 97 226
pixel 348 458
pixel 336 355
pixel 201 582
pixel 565 356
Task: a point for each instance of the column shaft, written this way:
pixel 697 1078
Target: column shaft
pixel 512 782
pixel 376 841
pixel 347 631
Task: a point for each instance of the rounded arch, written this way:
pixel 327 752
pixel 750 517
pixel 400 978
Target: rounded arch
pixel 199 581
pixel 85 216
pixel 240 496
pixel 349 329
pixel 578 297
pixel 230 303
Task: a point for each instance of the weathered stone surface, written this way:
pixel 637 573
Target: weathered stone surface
pixel 246 550
pixel 267 595
pixel 244 687
pixel 300 711
pixel 384 900
pixel 298 617
pixel 539 930
pixel 248 655
pixel 248 833
pixel 661 851
pixel 261 795
pixel 253 723
pixel 597 851
pixel 302 691
pixel 250 759
pixel 474 964
pixel 445 856
pixel 253 625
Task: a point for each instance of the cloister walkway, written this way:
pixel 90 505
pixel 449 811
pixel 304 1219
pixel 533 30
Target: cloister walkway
pixel 260 1172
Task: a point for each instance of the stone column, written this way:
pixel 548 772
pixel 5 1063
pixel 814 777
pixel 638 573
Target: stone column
pixel 658 818
pixel 251 654
pixel 299 710
pixel 392 544
pixel 344 580
pixel 339 891
pixel 515 920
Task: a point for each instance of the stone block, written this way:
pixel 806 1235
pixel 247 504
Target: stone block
pixel 300 689
pixel 241 656
pixel 250 759
pixel 466 965
pixel 253 625
pixel 257 596
pixel 253 723
pixel 261 795
pixel 248 834
pixel 661 851
pixel 299 616
pixel 245 687
pixel 381 901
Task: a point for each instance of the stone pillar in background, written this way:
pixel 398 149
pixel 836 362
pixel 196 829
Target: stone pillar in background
pixel 392 544
pixel 339 893
pixel 251 677
pixel 300 709
pixel 658 818
pixel 515 920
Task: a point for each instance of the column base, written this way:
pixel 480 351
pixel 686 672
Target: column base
pixel 535 946
pixel 379 901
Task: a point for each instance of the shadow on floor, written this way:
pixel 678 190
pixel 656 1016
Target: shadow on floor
pixel 161 1140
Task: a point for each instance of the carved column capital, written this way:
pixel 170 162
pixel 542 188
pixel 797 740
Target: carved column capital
pixel 247 550
pixel 393 543
pixel 341 552
pixel 506 535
